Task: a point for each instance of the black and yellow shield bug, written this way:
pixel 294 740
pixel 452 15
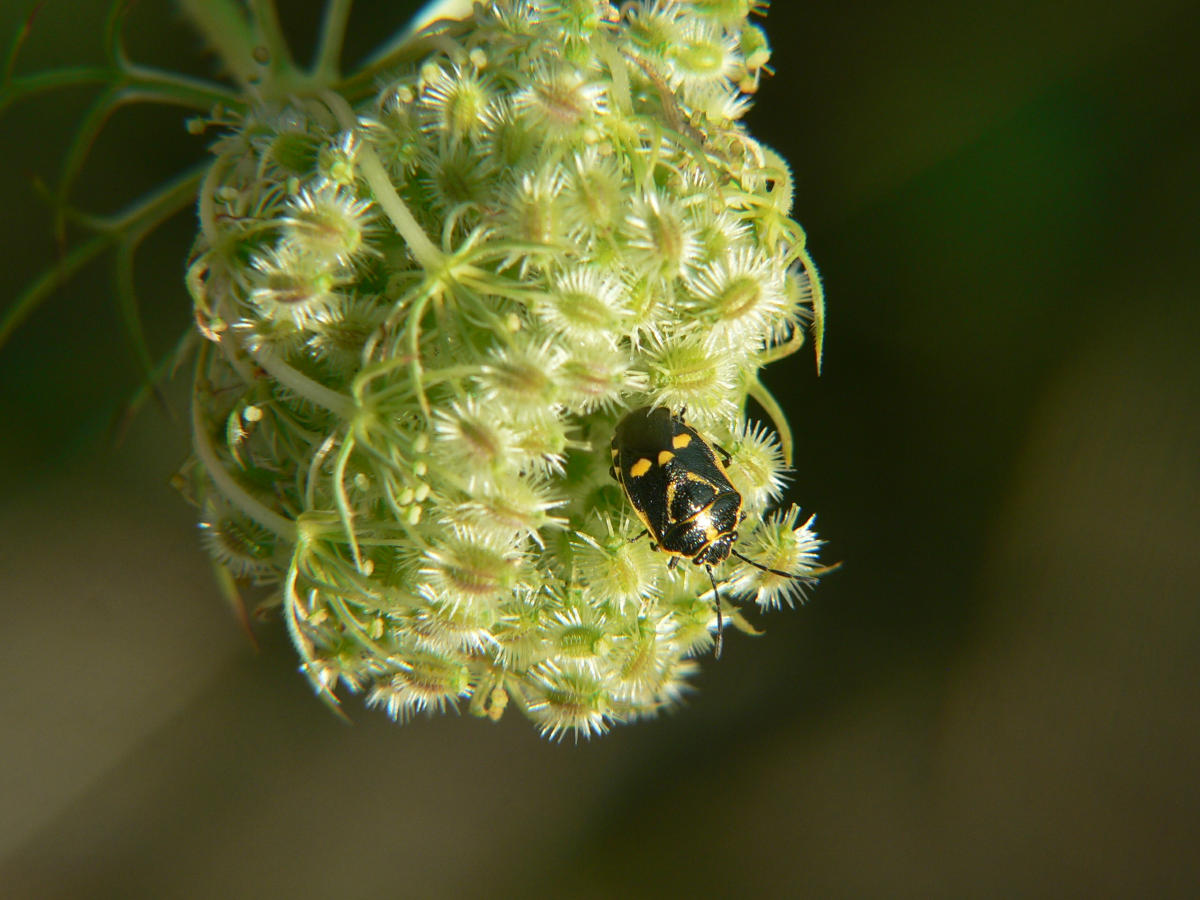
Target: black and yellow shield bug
pixel 675 480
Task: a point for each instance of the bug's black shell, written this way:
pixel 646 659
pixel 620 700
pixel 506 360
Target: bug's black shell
pixel 685 500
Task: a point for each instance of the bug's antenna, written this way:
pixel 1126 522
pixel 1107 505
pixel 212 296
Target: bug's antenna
pixel 812 573
pixel 720 620
pixel 756 565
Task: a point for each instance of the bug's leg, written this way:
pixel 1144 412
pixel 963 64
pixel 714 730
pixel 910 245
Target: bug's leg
pixel 645 532
pixel 672 561
pixel 726 459
pixel 720 620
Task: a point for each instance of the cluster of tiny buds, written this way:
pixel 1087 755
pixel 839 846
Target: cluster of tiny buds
pixel 428 312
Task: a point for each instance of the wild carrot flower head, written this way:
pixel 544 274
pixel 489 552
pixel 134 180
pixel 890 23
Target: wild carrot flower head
pixel 426 312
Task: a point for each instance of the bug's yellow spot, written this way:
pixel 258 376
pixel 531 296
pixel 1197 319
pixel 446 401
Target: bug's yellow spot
pixel 680 441
pixel 665 457
pixel 639 468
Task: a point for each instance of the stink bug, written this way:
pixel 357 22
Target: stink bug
pixel 676 482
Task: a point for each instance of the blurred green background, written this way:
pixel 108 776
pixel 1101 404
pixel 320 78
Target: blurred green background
pixel 997 696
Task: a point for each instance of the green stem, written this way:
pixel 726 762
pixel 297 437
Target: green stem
pixel 314 467
pixel 127 302
pixel 784 350
pixel 333 36
pixel 408 44
pixel 616 68
pixel 304 646
pixel 187 91
pixel 266 17
pixel 342 498
pixel 224 25
pixel 412 329
pixel 15 89
pixel 768 402
pixel 81 144
pixel 428 256
pixel 43 286
pixel 157 207
pixel 230 490
pixel 300 384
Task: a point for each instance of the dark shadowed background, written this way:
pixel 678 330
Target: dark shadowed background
pixel 997 696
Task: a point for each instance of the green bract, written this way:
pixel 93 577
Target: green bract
pixel 424 313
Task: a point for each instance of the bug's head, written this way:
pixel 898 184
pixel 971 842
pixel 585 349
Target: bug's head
pixel 717 551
